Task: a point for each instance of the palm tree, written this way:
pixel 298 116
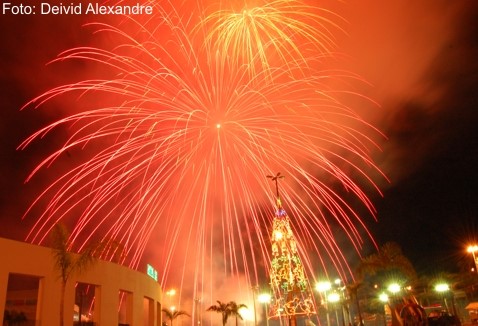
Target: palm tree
pixel 388 258
pixel 234 308
pixel 227 309
pixel 223 309
pixel 68 263
pixel 352 289
pixel 173 314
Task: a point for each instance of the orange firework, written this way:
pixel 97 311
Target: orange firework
pixel 176 145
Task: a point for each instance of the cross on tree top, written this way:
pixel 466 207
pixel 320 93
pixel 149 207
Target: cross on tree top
pixel 276 180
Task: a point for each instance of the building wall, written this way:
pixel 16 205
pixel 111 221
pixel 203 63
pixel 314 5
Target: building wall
pixel 109 278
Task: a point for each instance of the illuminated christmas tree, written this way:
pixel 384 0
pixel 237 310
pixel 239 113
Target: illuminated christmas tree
pixel 291 290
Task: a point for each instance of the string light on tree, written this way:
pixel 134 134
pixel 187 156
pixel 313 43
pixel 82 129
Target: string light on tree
pixel 288 280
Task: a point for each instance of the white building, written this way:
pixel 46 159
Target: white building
pixel 107 294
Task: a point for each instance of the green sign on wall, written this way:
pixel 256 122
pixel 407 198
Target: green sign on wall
pixel 152 272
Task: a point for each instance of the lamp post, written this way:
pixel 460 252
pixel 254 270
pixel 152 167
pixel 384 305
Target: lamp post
pixel 341 289
pixel 383 297
pixel 323 287
pixel 197 302
pixel 472 249
pixel 394 288
pixel 171 293
pixel 265 298
pixel 254 289
pixel 334 297
pixel 443 288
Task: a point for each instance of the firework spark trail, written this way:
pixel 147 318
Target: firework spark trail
pixel 277 32
pixel 185 142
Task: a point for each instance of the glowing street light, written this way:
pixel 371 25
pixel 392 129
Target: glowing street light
pixel 394 288
pixel 265 298
pixel 473 249
pixel 323 287
pixel 254 289
pixel 334 297
pixel 247 314
pixel 443 288
pixel 341 287
pixel 171 293
pixel 383 297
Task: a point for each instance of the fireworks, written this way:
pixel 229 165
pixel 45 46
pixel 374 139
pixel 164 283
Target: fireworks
pixel 280 31
pixel 178 143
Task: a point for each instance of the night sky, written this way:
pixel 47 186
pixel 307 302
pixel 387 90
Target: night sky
pixel 420 61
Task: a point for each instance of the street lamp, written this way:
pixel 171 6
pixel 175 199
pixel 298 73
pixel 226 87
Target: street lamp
pixel 265 298
pixel 383 297
pixel 334 297
pixel 394 288
pixel 341 288
pixel 197 313
pixel 323 287
pixel 443 288
pixel 472 249
pixel 254 289
pixel 171 293
pixel 246 314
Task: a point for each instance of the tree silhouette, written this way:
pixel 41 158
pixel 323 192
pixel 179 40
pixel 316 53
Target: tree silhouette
pixel 67 263
pixel 388 258
pixel 173 314
pixel 234 307
pixel 221 308
pixel 227 309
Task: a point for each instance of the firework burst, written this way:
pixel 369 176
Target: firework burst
pixel 176 145
pixel 277 32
